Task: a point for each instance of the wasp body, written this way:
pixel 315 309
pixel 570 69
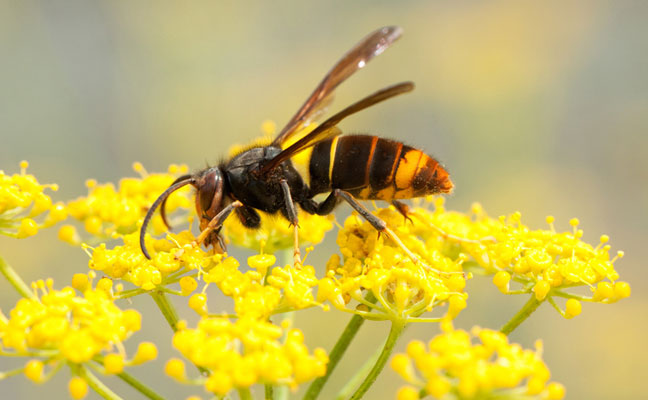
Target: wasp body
pixel 373 168
pixel 347 167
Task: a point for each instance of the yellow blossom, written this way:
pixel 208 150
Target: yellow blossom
pixel 174 254
pixel 34 370
pixel 276 233
pixel 373 263
pixel 78 388
pixel 452 362
pixel 107 210
pixel 113 363
pixel 259 296
pixel 175 368
pixel 23 201
pixel 247 352
pixel 64 324
pixel 146 351
pixel 544 262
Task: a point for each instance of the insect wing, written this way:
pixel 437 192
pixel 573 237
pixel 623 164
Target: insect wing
pixel 356 58
pixel 328 128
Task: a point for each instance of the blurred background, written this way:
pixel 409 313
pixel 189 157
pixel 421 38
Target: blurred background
pixel 538 107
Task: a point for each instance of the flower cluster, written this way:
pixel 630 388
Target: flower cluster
pixel 493 367
pixel 22 199
pixel 419 265
pixel 172 257
pixel 542 261
pixel 276 233
pixel 61 326
pixel 246 352
pixel 403 288
pixel 260 292
pixel 107 210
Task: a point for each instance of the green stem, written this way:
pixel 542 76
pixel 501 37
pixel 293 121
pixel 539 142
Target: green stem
pixel 521 315
pixel 13 372
pixel 269 392
pixel 171 291
pixel 556 306
pixel 244 394
pixel 96 385
pixel 130 293
pixel 338 351
pixel 139 386
pixel 167 309
pixel 394 334
pixel 16 281
pixel 129 379
pixel 348 387
pixel 171 315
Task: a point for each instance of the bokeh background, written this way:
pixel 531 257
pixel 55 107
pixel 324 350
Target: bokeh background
pixel 533 106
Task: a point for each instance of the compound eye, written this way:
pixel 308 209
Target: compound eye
pixel 210 192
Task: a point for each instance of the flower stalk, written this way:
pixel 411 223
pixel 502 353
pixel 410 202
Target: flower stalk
pixel 531 305
pixel 167 309
pixel 338 351
pixel 355 380
pixel 394 333
pixel 139 386
pixel 15 280
pixel 97 385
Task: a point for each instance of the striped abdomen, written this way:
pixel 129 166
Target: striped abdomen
pixel 370 167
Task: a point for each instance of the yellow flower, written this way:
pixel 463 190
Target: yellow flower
pixel 62 324
pixel 173 255
pixel 246 352
pixel 107 210
pixel 451 362
pixel 403 289
pixel 259 296
pixel 544 262
pixel 276 233
pixel 78 388
pixel 22 199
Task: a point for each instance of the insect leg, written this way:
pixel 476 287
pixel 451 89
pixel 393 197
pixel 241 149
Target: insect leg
pixel 248 217
pixel 217 222
pixel 380 225
pixel 324 208
pixel 291 214
pixel 402 208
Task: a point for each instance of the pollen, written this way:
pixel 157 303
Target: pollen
pixel 374 264
pixel 407 393
pixel 175 368
pixel 69 234
pixel 34 370
pixel 188 284
pixel 573 308
pixel 67 325
pixel 276 233
pixel 501 280
pixel 246 352
pixel 25 208
pixel 174 254
pixel 78 388
pixel 541 289
pixel 545 262
pixel 113 363
pixel 198 303
pixel 483 363
pixel 146 351
pixel 107 209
